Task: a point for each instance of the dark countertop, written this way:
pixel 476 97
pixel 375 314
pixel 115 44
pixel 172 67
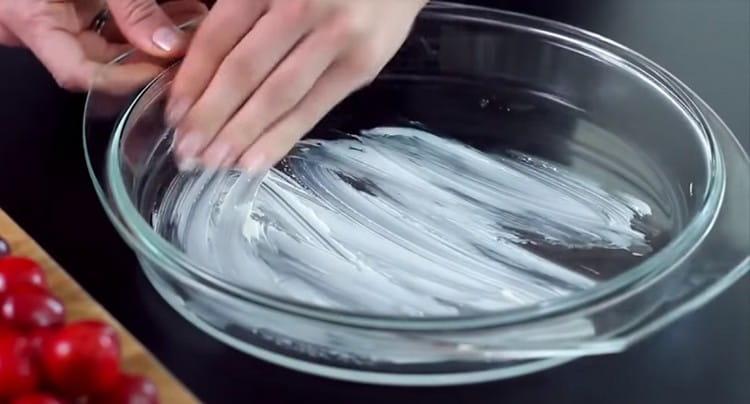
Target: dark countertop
pixel 704 357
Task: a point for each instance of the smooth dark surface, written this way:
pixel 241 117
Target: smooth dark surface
pixel 702 358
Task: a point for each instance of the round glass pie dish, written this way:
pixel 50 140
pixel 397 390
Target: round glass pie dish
pixel 511 193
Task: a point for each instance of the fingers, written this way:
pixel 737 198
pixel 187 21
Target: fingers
pixel 179 11
pixel 62 54
pixel 76 58
pixel 251 99
pixel 148 27
pixel 335 84
pixel 97 49
pixel 278 94
pixel 113 78
pixel 122 79
pixel 246 67
pixel 228 22
pixel 66 59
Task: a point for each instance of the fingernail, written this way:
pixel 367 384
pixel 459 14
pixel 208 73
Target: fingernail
pixel 189 146
pixel 177 111
pixel 188 164
pixel 166 38
pixel 254 165
pixel 216 155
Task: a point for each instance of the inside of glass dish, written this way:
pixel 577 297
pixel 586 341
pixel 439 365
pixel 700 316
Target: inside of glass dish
pixel 466 179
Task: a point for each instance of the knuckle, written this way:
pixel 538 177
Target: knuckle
pixel 138 11
pixel 263 108
pixel 297 10
pixel 236 66
pixel 345 26
pixel 342 29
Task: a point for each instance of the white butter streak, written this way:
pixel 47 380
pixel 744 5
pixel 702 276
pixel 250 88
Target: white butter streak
pixel 399 221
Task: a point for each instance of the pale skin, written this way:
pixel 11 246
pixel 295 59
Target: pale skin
pixel 257 75
pixel 57 32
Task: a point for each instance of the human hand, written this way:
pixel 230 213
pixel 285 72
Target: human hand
pixel 59 33
pixel 259 74
pixel 6 37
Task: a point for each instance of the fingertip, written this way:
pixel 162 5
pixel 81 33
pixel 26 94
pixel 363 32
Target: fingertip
pixel 168 39
pixel 189 145
pixel 254 162
pixel 188 164
pixel 146 25
pixel 176 109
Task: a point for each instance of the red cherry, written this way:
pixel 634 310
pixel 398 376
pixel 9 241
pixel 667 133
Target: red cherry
pixel 17 271
pixel 38 336
pixel 130 389
pixel 27 310
pixel 37 398
pixel 18 373
pixel 82 358
pixel 27 287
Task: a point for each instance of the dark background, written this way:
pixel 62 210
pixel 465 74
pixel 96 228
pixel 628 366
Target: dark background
pixel 702 358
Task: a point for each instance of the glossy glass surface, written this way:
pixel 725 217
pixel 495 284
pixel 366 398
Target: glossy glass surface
pixel 503 84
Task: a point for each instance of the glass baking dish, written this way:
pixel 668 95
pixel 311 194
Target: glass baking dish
pixel 558 196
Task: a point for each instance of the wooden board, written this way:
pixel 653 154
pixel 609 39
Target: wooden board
pixel 79 305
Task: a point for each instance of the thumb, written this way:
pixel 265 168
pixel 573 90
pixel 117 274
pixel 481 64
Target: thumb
pixel 146 26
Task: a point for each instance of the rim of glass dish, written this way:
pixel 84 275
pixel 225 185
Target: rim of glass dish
pixel 146 241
